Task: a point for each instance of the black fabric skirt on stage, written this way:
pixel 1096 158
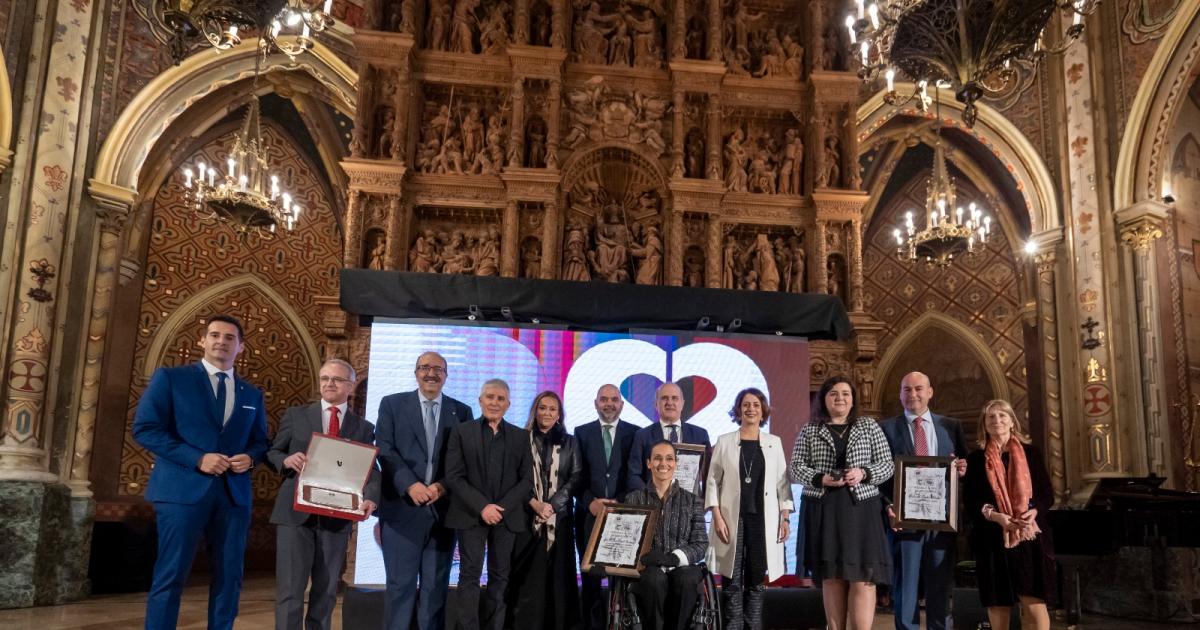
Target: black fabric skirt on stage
pixel 845 540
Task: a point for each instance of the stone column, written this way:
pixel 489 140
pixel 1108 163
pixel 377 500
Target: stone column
pixel 675 248
pixel 1140 227
pixel 396 239
pixel 352 248
pixel 509 247
pixel 713 258
pixel 554 105
pixel 1046 261
pixel 816 145
pixel 516 137
pixel 678 31
pixel 677 134
pixel 713 140
pixel 401 124
pixel 714 30
pixel 851 169
pixel 816 43
pixel 114 210
pixel 818 276
pixel 550 232
pixel 856 266
pixel 360 137
pixel 520 29
pixel 558 24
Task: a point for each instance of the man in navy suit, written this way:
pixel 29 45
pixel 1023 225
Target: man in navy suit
pixel 605 445
pixel 489 470
pixel 922 555
pixel 668 400
pixel 308 545
pixel 411 435
pixel 206 428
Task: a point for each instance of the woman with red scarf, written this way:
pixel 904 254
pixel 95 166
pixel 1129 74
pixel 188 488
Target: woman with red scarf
pixel 1008 497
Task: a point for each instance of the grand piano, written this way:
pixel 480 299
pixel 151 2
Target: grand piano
pixel 1122 512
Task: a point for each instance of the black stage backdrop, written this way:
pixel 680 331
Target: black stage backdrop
pixel 601 306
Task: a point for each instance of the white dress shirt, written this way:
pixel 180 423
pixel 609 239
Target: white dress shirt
pixel 927 426
pixel 325 407
pixel 229 391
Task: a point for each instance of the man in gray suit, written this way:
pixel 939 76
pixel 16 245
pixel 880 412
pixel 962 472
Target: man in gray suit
pixel 308 545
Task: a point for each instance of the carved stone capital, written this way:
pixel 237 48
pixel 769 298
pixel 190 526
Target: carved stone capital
pixel 383 50
pixel 1045 261
pixel 114 204
pixel 371 176
pixel 1142 234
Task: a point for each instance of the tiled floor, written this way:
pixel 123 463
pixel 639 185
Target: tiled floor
pixel 119 612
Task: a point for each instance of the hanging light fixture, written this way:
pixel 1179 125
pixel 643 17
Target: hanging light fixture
pixel 221 23
pixel 949 229
pixel 972 46
pixel 247 196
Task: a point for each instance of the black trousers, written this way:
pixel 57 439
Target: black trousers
pixel 666 599
pixel 471 543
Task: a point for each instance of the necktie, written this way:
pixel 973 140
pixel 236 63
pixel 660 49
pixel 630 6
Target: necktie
pixel 674 434
pixel 920 443
pixel 335 427
pixel 221 396
pixel 430 438
pixel 607 442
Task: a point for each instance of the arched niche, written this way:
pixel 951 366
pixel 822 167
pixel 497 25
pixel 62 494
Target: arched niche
pixel 962 369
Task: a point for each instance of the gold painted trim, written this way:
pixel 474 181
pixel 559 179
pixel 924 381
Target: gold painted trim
pixel 6 116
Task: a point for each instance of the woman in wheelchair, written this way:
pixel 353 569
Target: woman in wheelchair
pixel 842 459
pixel 667 591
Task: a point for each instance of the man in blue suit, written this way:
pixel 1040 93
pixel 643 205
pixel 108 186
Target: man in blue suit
pixel 207 428
pixel 411 435
pixel 926 556
pixel 668 400
pixel 605 445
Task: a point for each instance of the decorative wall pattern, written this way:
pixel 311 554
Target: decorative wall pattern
pixel 186 257
pixel 979 291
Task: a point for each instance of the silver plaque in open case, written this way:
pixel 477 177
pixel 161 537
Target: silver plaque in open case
pixel 334 476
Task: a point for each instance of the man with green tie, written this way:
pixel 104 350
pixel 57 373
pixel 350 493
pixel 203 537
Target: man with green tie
pixel 605 445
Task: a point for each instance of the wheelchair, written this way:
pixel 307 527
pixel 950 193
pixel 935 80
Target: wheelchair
pixel 623 613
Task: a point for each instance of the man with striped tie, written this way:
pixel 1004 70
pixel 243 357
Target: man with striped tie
pixel 922 554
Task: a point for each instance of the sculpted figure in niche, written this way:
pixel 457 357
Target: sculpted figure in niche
pixel 575 259
pixel 647 53
pixel 450 159
pixel 647 249
pixel 740 24
pixel 462 27
pixel 423 257
pixel 650 111
pixel 738 61
pixel 531 258
pixel 610 258
pixel 584 112
pixel 442 124
pixel 619 45
pixel 762 177
pixel 437 35
pixel 393 16
pixel 773 58
pixel 783 262
pixel 735 162
pixel 540 35
pixel 497 132
pixel 750 282
pixel 833 167
pixel 789 168
pixel 794 53
pixel 387 121
pixel 693 154
pixel 493 32
pixel 695 38
pixel 729 264
pixel 376 248
pixel 536 141
pixel 798 265
pixel 472 133
pixel 762 263
pixel 487 263
pixel 591 30
pixel 693 268
pixel 455 258
pixel 427 155
pixel 487 161
pixel 834 59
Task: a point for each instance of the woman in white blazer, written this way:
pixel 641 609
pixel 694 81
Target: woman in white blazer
pixel 750 497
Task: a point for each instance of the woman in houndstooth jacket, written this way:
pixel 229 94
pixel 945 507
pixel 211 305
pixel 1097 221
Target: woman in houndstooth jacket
pixel 841 459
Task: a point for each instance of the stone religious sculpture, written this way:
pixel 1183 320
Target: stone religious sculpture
pixel 647 249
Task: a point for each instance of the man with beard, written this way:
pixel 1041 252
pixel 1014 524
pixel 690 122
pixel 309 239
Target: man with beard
pixel 417 547
pixel 605 445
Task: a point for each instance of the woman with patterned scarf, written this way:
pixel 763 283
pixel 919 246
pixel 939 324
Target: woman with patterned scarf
pixel 543 588
pixel 1008 497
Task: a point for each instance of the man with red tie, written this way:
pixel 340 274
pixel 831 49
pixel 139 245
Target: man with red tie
pixel 306 545
pixel 926 556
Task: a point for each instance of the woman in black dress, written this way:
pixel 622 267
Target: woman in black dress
pixel 1008 498
pixel 842 459
pixel 544 591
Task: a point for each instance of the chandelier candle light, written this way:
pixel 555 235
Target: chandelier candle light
pixel 219 23
pixel 971 46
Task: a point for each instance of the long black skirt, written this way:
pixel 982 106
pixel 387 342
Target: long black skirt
pixel 543 590
pixel 845 540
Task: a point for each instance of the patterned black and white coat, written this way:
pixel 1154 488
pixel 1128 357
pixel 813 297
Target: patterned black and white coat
pixel 867 448
pixel 681 528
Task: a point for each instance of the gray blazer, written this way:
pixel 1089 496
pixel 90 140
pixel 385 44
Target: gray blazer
pixel 867 449
pixel 295 432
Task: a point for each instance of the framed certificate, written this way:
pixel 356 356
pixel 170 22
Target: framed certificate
pixel 622 535
pixel 689 466
pixel 926 493
pixel 332 481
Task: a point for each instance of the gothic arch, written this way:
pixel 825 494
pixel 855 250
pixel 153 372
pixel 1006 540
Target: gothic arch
pixel 174 92
pixel 6 116
pixel 1141 161
pixel 188 311
pixel 637 169
pixel 935 320
pixel 1030 177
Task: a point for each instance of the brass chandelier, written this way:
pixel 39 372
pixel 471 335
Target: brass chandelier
pixel 949 229
pixel 221 23
pixel 247 196
pixel 970 46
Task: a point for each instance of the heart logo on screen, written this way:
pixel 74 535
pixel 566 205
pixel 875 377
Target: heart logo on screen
pixel 700 391
pixel 638 391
